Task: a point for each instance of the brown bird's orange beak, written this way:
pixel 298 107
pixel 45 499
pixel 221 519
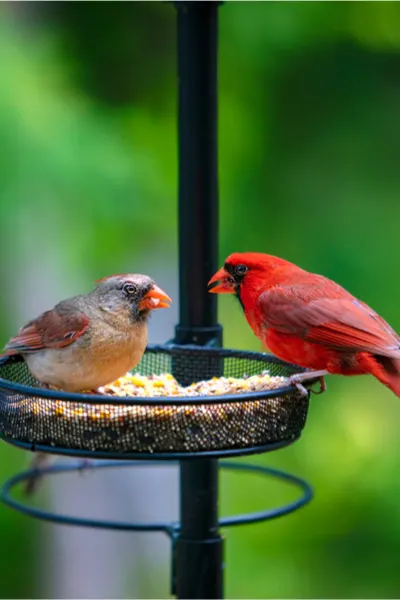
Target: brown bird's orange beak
pixel 155 298
pixel 221 283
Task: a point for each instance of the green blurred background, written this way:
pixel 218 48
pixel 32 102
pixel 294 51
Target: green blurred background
pixel 309 135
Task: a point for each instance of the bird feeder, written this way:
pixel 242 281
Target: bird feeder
pixel 197 430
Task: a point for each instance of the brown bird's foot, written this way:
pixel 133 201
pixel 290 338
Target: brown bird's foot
pixel 101 391
pixel 297 380
pixel 38 462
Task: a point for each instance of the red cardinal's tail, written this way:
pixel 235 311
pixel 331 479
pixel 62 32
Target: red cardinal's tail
pixel 386 369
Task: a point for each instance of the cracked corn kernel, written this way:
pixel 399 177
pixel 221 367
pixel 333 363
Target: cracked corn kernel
pixel 159 383
pixel 136 380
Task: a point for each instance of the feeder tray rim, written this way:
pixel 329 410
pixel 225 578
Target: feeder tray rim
pixel 173 349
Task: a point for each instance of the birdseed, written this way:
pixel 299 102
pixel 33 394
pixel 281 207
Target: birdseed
pixel 166 385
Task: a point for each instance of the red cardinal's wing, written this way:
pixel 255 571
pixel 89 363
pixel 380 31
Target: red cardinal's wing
pixel 53 329
pixel 339 323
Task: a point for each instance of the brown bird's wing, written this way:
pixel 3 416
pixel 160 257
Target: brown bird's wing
pixel 339 323
pixel 55 328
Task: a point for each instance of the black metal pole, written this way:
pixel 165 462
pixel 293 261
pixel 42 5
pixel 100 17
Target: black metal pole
pixel 199 547
pixel 198 171
pixel 198 552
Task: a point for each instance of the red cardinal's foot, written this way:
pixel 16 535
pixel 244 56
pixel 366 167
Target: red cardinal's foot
pixel 322 386
pixel 297 380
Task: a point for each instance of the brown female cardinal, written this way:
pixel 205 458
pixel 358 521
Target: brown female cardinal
pixel 309 320
pixel 88 341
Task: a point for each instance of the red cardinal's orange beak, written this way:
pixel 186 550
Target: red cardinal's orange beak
pixel 155 298
pixel 221 283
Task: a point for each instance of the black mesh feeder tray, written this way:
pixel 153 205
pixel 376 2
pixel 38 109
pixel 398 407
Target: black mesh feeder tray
pixel 214 416
pixel 163 426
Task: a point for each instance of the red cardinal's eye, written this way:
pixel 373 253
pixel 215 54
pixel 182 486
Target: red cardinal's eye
pixel 240 269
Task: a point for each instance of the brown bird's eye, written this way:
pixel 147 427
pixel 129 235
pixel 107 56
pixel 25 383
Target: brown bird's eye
pixel 240 269
pixel 129 289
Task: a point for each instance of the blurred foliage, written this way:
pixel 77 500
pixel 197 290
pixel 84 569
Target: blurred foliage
pixel 309 145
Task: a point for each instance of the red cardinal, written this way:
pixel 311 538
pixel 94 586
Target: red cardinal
pixel 309 320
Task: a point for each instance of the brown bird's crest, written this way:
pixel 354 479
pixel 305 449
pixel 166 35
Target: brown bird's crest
pixel 121 275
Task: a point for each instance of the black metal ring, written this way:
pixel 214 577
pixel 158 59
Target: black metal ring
pixel 170 528
pixel 139 456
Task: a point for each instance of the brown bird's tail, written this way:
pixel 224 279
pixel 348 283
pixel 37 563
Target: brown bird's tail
pixel 386 369
pixel 33 483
